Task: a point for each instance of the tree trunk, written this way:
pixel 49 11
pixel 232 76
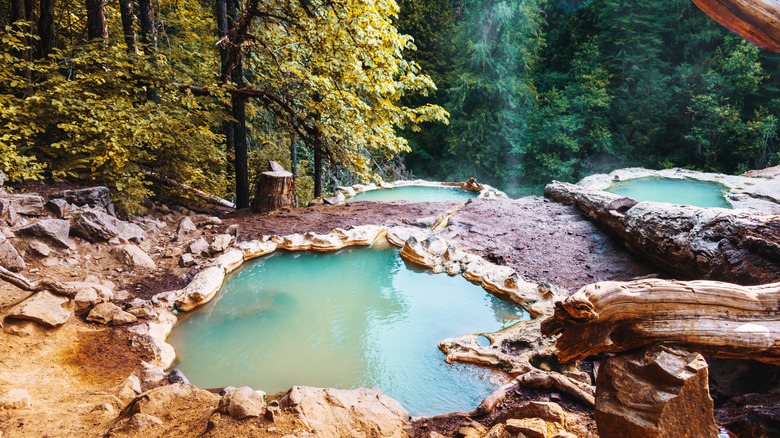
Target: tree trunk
pixel 97 26
pixel 239 137
pixel 715 319
pixel 128 26
pixel 276 190
pixel 690 242
pixel 758 21
pixel 22 10
pixel 46 28
pixel 317 170
pixel 294 165
pixel 149 39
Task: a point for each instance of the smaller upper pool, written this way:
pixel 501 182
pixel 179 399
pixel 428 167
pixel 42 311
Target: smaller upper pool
pixel 674 191
pixel 416 194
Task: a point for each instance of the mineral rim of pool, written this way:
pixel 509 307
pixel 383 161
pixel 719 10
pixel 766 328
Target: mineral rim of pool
pixel 358 317
pixel 415 193
pixel 685 191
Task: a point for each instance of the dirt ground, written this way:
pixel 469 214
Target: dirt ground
pixel 73 373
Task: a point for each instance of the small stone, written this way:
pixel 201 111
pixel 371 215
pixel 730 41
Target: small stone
pixel 212 220
pixel 141 422
pixel 242 403
pixel 130 388
pixel 106 408
pixel 186 260
pixel 22 329
pixel 221 242
pixel 154 375
pixel 176 376
pixel 185 226
pixel 58 207
pixel 15 399
pixel 9 256
pixel 132 255
pixel 50 262
pixel 44 308
pixel 232 230
pixel 200 248
pixel 272 413
pixel 142 312
pixel 172 251
pixel 110 314
pixel 40 248
pixel 529 427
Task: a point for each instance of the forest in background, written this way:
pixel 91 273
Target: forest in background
pixel 204 92
pixel 540 90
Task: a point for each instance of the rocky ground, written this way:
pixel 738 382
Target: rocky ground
pixel 71 368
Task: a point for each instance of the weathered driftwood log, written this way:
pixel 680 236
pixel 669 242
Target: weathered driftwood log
pixel 34 287
pixel 276 190
pixel 713 318
pixel 758 21
pixel 690 242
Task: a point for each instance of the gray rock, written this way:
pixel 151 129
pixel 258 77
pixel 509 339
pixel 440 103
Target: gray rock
pixel 655 392
pixel 95 197
pixel 9 256
pixel 133 256
pixel 212 220
pixel 200 248
pixel 142 312
pixel 40 248
pixel 185 226
pixel 130 232
pixel 15 399
pixel 55 230
pixel 58 207
pixel 176 376
pixel 232 230
pixel 242 403
pixel 110 314
pixel 27 205
pixel 94 225
pixel 221 242
pixel 44 308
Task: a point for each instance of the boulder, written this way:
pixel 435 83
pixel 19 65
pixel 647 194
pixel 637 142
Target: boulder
pixel 200 248
pixel 241 403
pixel 55 230
pixel 328 412
pixel 185 226
pixel 58 207
pixel 659 391
pixel 110 314
pixel 15 399
pixel 221 242
pixel 95 197
pixel 44 308
pixel 27 205
pixel 182 410
pixel 94 225
pixel 133 256
pixel 9 256
pixel 40 249
pixel 89 293
pixel 186 260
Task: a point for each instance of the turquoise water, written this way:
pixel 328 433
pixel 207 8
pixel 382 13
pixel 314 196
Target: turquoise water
pixel 674 191
pixel 415 193
pixel 359 317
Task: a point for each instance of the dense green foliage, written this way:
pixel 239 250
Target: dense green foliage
pixel 542 90
pixel 320 74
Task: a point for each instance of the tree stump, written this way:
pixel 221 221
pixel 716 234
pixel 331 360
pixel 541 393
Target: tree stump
pixel 275 191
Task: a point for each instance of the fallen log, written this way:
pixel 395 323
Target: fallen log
pixel 214 199
pixel 758 21
pixel 34 287
pixel 690 242
pixel 715 319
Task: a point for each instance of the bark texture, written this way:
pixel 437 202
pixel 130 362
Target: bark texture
pixel 758 21
pixel 715 319
pixel 275 191
pixel 690 242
